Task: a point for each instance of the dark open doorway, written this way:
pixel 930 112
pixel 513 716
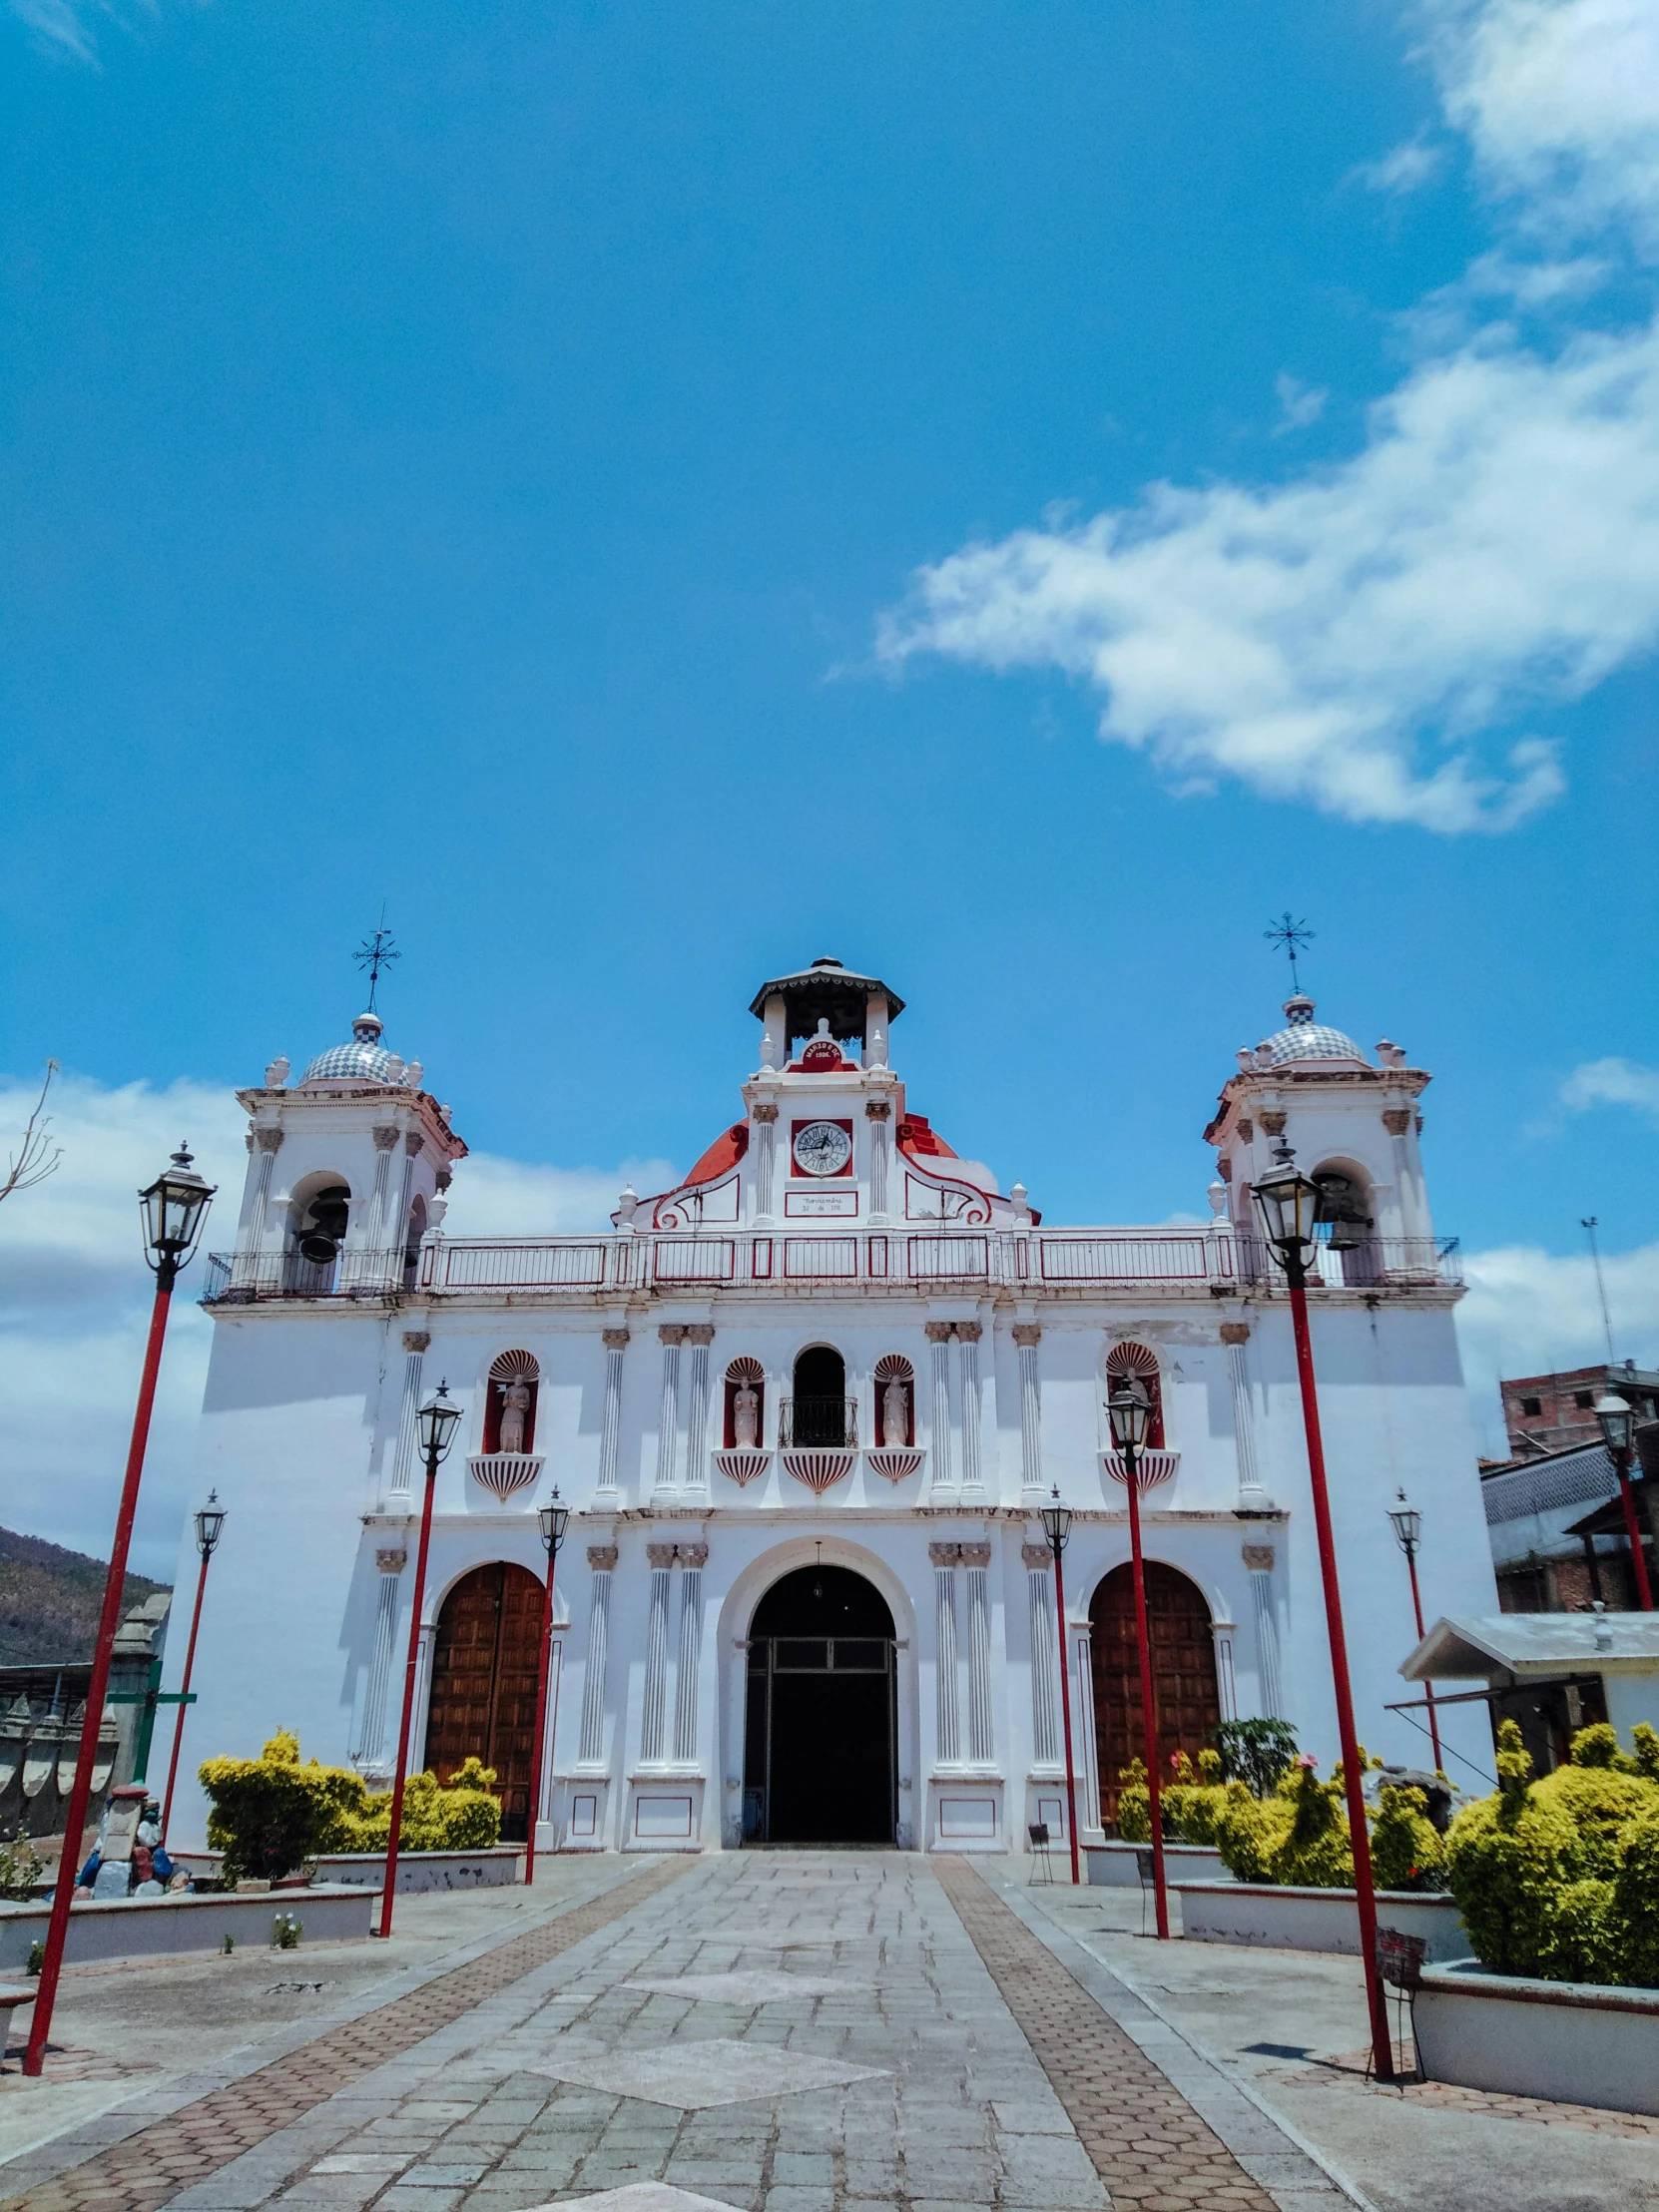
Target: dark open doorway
pixel 820 1743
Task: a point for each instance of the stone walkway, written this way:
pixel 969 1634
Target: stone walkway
pixel 766 2031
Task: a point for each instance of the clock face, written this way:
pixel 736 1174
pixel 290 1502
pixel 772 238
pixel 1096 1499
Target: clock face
pixel 821 1148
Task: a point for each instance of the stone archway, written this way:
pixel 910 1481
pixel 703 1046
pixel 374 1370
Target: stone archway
pixel 820 1713
pixel 484 1674
pixel 1184 1696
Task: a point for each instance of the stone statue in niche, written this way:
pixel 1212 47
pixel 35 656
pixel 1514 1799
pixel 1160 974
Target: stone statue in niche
pixel 746 1416
pixel 515 1411
pixel 895 1413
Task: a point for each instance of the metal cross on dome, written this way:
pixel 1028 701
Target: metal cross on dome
pixel 1292 935
pixel 375 954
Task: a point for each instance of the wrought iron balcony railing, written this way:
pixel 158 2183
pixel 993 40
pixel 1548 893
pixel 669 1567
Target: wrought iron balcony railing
pixel 239 1278
pixel 831 1422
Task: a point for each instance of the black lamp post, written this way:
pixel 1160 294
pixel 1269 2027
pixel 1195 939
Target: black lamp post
pixel 435 1428
pixel 173 1209
pixel 1289 1206
pixel 1408 1526
pixel 1129 1411
pixel 210 1524
pixel 554 1519
pixel 1056 1520
pixel 1617 1423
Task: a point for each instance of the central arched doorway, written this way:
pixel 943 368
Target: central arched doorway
pixel 1185 1700
pixel 483 1701
pixel 821 1735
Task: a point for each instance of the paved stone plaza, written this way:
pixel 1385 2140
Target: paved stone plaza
pixel 812 2031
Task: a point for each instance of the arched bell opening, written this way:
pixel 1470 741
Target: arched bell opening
pixel 318 1217
pixel 820 1718
pixel 484 1680
pixel 1186 1700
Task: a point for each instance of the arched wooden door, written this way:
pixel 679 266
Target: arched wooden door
pixel 1186 1703
pixel 484 1684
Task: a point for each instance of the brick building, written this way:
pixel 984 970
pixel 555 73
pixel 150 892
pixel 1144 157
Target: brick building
pixel 1551 1412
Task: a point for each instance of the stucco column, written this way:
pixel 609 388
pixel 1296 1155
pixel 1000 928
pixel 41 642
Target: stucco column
pixel 700 1336
pixel 267 1143
pixel 1027 1334
pixel 1235 1334
pixel 977 1559
pixel 376 1239
pixel 371 1735
pixel 944 1558
pixel 601 1560
pixel 693 1560
pixel 670 1335
pixel 967 1338
pixel 763 1113
pixel 1259 1559
pixel 398 1240
pixel 1085 1743
pixel 938 1342
pixel 610 1420
pixel 879 1113
pixel 1045 1700
pixel 415 1343
pixel 1226 1691
pixel 652 1725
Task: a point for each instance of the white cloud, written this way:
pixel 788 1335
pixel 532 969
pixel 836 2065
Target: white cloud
pixel 1360 636
pixel 1406 169
pixel 1612 1082
pixel 1298 403
pixel 1530 1312
pixel 75 1296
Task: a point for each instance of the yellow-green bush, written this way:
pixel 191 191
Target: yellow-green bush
pixel 459 1815
pixel 1408 1852
pixel 1190 1801
pixel 271 1814
pixel 1634 1912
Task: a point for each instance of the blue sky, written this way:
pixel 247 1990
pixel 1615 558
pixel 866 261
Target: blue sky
pixel 1013 498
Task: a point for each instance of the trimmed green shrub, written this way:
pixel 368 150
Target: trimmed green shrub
pixel 1408 1852
pixel 1634 1913
pixel 1257 1753
pixel 459 1815
pixel 270 1814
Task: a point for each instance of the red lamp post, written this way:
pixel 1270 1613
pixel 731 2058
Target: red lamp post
pixel 1056 1520
pixel 555 1519
pixel 210 1524
pixel 436 1426
pixel 1407 1526
pixel 1288 1205
pixel 173 1209
pixel 1130 1412
pixel 1618 1432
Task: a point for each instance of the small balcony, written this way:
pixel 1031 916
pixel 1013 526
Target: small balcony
pixel 503 1474
pixel 247 1278
pixel 818 1423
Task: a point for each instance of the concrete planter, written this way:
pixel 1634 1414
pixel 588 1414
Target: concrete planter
pixel 491 1868
pixel 1112 1864
pixel 1573 2041
pixel 152 1927
pixel 1314 1919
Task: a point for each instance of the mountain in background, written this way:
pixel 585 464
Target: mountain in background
pixel 50 1600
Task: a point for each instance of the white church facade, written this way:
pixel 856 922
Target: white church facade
pixel 806 1408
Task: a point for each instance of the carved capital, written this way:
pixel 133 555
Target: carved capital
pixel 700 1332
pixel 977 1556
pixel 1246 1129
pixel 944 1556
pixel 694 1555
pixel 1396 1120
pixel 936 1332
pixel 1259 1558
pixel 660 1556
pixel 879 1109
pixel 1036 1555
pixel 412 1143
pixel 1272 1122
pixel 1235 1332
pixel 392 1562
pixel 385 1137
pixel 1027 1334
pixel 602 1557
pixel 416 1340
pixel 969 1332
pixel 1224 1168
pixel 764 1111
pixel 672 1333
pixel 269 1140
pixel 616 1340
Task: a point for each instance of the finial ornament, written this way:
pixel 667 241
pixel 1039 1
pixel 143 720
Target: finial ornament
pixel 1292 935
pixel 375 954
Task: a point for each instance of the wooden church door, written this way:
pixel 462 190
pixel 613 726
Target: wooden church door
pixel 1185 1699
pixel 484 1684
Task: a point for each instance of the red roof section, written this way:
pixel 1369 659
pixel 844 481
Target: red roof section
pixel 921 1142
pixel 725 1153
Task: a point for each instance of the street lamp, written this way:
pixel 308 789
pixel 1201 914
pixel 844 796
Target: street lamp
pixel 554 1519
pixel 1129 1409
pixel 435 1428
pixel 1056 1520
pixel 1289 1206
pixel 1617 1421
pixel 1407 1522
pixel 174 1209
pixel 210 1524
